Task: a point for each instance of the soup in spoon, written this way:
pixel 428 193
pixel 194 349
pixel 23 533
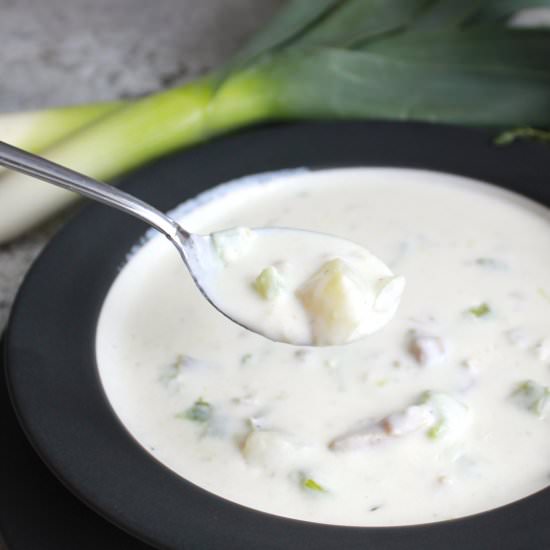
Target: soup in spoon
pixel 301 287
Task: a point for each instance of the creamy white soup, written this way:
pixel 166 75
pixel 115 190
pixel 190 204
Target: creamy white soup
pixel 442 413
pixel 300 287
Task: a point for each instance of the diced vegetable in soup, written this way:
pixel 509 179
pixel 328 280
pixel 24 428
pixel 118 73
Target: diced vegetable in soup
pixel 442 411
pixel 269 283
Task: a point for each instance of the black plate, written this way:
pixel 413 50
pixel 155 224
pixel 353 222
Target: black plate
pixel 55 385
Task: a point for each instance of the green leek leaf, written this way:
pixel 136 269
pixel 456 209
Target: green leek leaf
pixel 291 21
pixel 26 129
pixel 346 84
pixel 355 21
pixel 495 10
pixel 447 14
pixel 519 49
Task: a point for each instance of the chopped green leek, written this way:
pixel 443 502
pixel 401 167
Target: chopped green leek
pixel 38 130
pixel 172 371
pixel 523 133
pixel 482 310
pixel 544 294
pixel 232 244
pixel 307 482
pixel 451 417
pixel 201 411
pixel 534 397
pixel 269 283
pixel 312 485
pixel 436 430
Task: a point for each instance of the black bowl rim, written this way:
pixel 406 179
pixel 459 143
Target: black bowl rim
pixel 50 344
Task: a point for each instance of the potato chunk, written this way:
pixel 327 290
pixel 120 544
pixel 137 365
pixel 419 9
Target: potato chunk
pixel 273 451
pixel 335 298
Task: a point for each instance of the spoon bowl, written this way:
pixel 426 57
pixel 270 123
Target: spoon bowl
pixel 299 287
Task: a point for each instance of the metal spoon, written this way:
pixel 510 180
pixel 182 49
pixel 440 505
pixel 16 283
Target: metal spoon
pixel 199 251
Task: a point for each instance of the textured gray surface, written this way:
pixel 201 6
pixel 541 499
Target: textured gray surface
pixel 57 52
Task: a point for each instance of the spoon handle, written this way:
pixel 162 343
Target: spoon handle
pixel 41 168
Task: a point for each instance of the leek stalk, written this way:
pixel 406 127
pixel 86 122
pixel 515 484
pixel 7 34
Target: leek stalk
pixel 37 130
pixel 432 60
pixel 132 135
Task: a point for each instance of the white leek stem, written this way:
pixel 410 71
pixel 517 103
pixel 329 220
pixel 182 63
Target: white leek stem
pixel 131 136
pixel 34 131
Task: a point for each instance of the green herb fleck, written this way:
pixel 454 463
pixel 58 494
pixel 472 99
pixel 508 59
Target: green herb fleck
pixel 482 310
pixel 201 411
pixel 246 358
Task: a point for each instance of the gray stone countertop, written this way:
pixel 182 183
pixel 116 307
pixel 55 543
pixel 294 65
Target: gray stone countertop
pixel 57 52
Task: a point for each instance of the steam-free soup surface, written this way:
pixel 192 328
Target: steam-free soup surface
pixel 444 412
